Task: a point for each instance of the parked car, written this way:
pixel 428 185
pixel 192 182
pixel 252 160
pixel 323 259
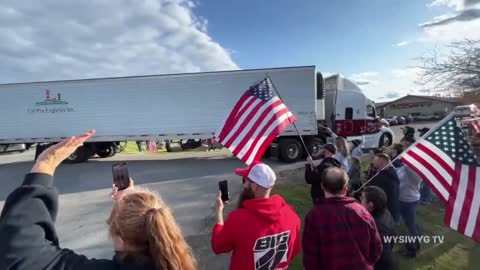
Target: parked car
pixel 466 110
pixel 401 120
pixel 408 119
pixel 423 117
pixel 384 122
pixel 392 121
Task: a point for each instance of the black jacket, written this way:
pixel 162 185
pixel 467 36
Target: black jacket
pixel 28 239
pixel 386 227
pixel 313 177
pixel 387 180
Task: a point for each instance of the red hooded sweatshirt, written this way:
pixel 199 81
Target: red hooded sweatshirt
pixel 263 235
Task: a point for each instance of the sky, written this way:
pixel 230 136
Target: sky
pixel 374 42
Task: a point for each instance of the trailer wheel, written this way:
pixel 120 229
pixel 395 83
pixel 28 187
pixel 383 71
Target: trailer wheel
pixel 290 150
pixel 113 152
pixel 168 147
pixel 80 155
pixel 315 147
pixel 106 152
pixel 267 154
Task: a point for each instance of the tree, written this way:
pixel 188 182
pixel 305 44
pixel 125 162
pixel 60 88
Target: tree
pixel 458 72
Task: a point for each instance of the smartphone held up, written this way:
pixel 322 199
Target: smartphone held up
pixel 223 186
pixel 121 177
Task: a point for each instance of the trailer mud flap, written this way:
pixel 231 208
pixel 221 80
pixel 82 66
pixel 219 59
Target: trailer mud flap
pixel 274 150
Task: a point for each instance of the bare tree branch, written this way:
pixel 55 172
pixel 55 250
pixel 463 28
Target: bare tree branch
pixel 457 72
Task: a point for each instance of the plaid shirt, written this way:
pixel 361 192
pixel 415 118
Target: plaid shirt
pixel 340 234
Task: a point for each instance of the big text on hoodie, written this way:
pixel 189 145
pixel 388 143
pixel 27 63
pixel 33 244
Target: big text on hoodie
pixel 264 234
pixel 28 238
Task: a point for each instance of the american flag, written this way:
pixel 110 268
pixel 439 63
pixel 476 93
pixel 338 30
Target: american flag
pixel 256 120
pixel 445 160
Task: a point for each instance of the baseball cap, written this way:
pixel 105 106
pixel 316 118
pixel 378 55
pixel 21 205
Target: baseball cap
pixel 259 173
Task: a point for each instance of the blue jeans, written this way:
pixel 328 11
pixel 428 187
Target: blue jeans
pixel 408 210
pixel 425 193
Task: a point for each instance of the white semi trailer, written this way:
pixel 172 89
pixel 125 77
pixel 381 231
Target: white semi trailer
pixel 189 107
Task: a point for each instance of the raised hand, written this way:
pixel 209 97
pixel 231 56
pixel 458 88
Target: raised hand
pixel 49 160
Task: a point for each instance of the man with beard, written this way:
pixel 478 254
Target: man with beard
pixel 264 231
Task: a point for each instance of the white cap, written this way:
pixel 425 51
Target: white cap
pixel 259 173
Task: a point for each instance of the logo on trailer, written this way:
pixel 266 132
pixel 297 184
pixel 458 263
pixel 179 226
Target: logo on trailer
pixel 51 104
pixel 271 250
pixel 49 100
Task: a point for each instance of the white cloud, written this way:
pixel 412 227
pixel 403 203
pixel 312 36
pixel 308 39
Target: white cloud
pixel 365 78
pixel 462 24
pixel 437 19
pixel 457 4
pixel 51 39
pixel 454 31
pixel 406 73
pixel 327 74
pixel 401 44
pixel 390 84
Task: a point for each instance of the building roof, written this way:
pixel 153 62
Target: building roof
pixel 380 104
pixel 442 99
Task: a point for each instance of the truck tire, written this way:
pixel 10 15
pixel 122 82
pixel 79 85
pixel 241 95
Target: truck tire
pixel 315 147
pixel 106 152
pixel 113 152
pixel 168 147
pixel 190 144
pixel 81 155
pixel 385 140
pixel 267 154
pixel 290 150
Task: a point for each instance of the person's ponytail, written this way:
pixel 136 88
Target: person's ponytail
pixel 166 244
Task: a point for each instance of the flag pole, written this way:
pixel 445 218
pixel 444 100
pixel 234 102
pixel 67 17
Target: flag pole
pixel 298 132
pixel 444 120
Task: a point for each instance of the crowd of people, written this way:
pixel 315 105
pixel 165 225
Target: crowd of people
pixel 343 229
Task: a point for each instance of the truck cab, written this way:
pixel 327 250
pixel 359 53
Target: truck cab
pixel 352 115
